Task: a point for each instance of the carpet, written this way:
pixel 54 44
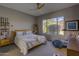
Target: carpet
pixel 12 50
pixel 42 50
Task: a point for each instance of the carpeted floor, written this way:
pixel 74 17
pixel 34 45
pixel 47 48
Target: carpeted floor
pixel 42 50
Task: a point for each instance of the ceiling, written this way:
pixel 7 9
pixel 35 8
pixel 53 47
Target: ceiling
pixel 30 8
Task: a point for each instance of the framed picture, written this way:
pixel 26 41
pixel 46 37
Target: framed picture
pixel 72 25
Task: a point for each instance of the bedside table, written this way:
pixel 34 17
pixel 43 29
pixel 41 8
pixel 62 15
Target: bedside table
pixel 5 41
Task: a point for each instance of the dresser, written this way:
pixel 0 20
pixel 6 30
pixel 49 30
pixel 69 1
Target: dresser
pixel 6 41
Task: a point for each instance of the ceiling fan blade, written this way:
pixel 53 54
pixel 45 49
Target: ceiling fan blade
pixel 39 5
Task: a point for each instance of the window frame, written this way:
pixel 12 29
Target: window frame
pixel 57 24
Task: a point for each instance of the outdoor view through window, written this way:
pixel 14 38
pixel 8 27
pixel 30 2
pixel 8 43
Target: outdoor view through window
pixel 54 26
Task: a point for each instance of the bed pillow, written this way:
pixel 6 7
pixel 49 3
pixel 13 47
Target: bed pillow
pixel 19 33
pixel 24 33
pixel 29 33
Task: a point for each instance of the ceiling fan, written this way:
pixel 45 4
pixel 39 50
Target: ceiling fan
pixel 39 6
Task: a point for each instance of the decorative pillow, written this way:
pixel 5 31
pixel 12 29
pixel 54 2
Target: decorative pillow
pixel 29 33
pixel 57 43
pixel 24 33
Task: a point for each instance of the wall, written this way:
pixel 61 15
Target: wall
pixel 17 19
pixel 71 13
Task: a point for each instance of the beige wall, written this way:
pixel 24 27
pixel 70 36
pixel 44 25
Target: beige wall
pixel 17 19
pixel 71 13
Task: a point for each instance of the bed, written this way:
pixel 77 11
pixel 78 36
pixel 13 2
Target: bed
pixel 26 40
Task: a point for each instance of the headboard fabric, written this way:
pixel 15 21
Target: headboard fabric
pixel 13 33
pixel 23 30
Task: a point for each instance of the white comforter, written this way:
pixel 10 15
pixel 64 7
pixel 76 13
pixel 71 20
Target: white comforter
pixel 25 42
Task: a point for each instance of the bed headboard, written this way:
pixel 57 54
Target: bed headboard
pixel 23 30
pixel 13 33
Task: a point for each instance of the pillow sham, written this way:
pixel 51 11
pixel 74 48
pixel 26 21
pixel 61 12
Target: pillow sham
pixel 24 33
pixel 19 33
pixel 29 33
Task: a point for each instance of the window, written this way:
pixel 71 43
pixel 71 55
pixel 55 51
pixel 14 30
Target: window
pixel 54 26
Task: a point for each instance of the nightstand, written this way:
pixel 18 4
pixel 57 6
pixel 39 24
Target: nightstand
pixel 6 41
